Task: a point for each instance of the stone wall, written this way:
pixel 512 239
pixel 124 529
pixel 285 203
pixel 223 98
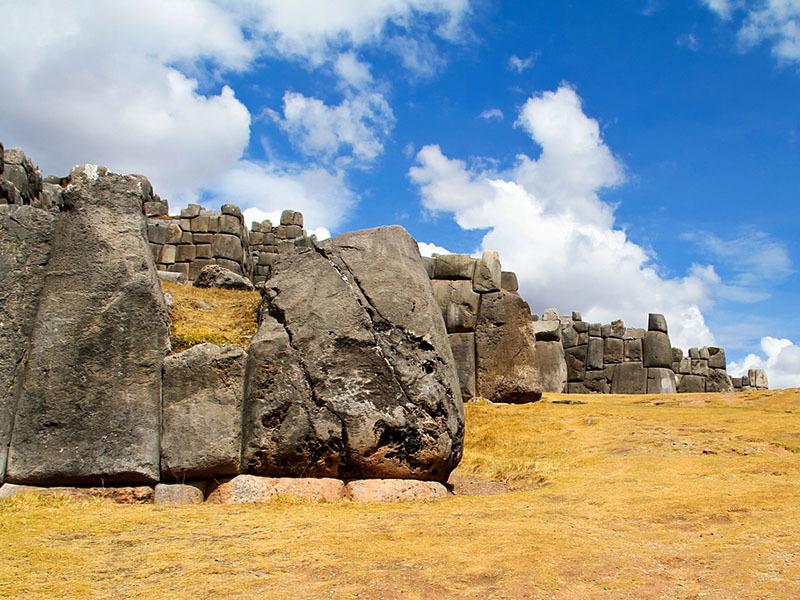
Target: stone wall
pixel 489 327
pixel 201 237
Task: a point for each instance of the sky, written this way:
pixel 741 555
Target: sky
pixel 624 158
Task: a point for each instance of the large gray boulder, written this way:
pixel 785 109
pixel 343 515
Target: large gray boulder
pixel 458 303
pixel 552 366
pixel 505 348
pixel 90 399
pixel 718 381
pixel 350 374
pixel 25 236
pixel 661 381
pixel 202 412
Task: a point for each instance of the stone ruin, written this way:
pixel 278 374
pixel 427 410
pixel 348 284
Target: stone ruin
pixel 355 375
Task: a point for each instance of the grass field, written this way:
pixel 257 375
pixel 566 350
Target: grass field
pixel 693 496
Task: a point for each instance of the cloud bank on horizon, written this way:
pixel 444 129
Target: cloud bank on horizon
pixel 168 90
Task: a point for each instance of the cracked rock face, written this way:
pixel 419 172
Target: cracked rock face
pixel 89 396
pixel 350 374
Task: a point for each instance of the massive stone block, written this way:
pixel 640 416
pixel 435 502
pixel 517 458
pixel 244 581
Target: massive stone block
pixel 633 350
pixel 463 347
pixel 202 412
pixel 660 381
pixel 25 236
pixel 594 354
pixel 351 374
pixel 458 303
pixel 454 266
pixel 552 366
pixel 718 381
pixel 758 379
pixel 613 350
pixel 656 350
pixel 692 384
pixel 487 273
pixel 656 322
pixel 716 358
pixel 547 331
pixel 576 362
pixel 629 378
pixel 89 403
pixel 505 348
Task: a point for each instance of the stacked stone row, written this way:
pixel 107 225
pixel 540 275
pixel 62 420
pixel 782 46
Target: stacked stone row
pixel 704 370
pixel 550 355
pixel 486 322
pixel 267 242
pixel 21 182
pixel 199 238
pixel 617 359
pixel 756 379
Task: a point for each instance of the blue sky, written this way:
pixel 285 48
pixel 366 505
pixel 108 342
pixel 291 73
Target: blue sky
pixel 623 157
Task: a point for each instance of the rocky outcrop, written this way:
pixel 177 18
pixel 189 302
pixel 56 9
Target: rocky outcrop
pixel 349 378
pixel 89 398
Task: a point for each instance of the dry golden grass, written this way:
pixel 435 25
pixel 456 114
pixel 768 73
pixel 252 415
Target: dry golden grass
pixel 694 496
pixel 212 315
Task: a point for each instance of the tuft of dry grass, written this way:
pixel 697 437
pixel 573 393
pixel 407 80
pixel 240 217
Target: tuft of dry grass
pixel 212 315
pixel 635 497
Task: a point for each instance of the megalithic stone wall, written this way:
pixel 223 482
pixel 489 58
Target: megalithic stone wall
pixel 489 327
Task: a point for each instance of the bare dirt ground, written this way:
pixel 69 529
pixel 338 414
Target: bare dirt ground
pixel 686 496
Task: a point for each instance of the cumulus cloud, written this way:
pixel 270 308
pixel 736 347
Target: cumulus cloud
pixel 322 196
pixel 428 249
pixel 781 360
pixel 492 113
pixel 98 86
pixel 545 218
pixel 138 84
pixel 353 130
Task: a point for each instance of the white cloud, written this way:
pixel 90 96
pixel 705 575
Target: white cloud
pixel 549 225
pixel 515 63
pixel 358 124
pixel 353 71
pixel 724 8
pixel 312 28
pixel 322 196
pixel 491 113
pixel 781 360
pixel 96 86
pixel 427 249
pixel 127 85
pixel 776 22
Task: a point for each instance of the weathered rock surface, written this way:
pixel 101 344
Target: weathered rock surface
pixel 692 384
pixel 506 352
pixel 89 402
pixel 458 303
pixel 253 488
pixel 25 236
pixel 656 350
pixel 463 347
pixel 656 322
pixel 353 376
pixel 552 366
pixel 202 412
pixel 718 381
pixel 629 378
pixel 393 490
pixel 660 381
pixel 179 493
pixel 220 277
pixel 488 273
